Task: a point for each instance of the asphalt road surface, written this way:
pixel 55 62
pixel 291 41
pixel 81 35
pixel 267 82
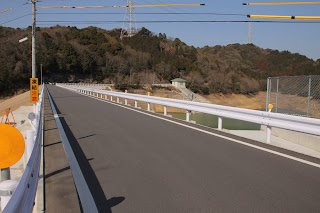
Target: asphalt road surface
pixel 133 162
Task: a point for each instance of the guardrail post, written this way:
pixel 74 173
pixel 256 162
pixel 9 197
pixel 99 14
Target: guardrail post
pixel 188 115
pixel 111 98
pixel 105 97
pixel 148 102
pixel 165 112
pixel 30 142
pixel 136 104
pixel 220 123
pixel 269 134
pixel 118 99
pixel 126 100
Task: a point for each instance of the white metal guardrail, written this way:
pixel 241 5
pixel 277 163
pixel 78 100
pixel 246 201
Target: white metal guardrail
pixel 84 194
pixel 269 119
pixel 23 198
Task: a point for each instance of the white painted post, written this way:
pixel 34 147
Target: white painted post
pixel 188 115
pixel 105 97
pixel 118 99
pixel 219 123
pixel 269 134
pixel 136 104
pixel 30 142
pixel 111 98
pixel 7 187
pixel 165 111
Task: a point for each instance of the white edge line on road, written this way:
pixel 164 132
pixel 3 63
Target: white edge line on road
pixel 211 133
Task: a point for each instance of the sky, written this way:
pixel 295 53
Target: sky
pixel 300 38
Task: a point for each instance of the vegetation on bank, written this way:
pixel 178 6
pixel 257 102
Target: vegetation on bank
pixel 69 54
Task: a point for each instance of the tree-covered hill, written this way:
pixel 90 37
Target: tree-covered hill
pixel 91 54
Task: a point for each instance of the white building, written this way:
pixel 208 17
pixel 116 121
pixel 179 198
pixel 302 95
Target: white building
pixel 179 83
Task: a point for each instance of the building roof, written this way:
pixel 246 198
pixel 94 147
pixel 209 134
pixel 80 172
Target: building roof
pixel 178 80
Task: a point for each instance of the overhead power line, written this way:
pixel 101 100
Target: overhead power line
pixel 220 14
pixel 195 21
pixel 15 19
pixel 285 17
pixel 283 3
pixel 6 10
pixel 125 6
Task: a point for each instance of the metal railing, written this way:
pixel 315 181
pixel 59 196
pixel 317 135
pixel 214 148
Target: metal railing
pixel 269 119
pixel 23 198
pixel 295 95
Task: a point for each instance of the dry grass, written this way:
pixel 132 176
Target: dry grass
pixel 257 102
pixel 16 101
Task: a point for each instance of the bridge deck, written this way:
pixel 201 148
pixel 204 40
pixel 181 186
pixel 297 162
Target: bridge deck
pixel 133 162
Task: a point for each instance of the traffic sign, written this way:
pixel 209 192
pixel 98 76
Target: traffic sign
pixel 11 146
pixel 34 89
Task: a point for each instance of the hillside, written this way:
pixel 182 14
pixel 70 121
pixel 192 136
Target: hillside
pixel 92 54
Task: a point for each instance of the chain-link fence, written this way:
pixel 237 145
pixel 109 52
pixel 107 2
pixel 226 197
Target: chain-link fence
pixel 295 95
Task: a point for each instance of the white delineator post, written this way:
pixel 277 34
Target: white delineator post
pixel 118 99
pixel 136 104
pixel 165 110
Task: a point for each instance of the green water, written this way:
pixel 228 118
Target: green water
pixel 212 121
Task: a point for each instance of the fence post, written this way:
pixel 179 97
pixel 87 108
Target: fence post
pixel 220 123
pixel 309 94
pixel 277 95
pixel 165 111
pixel 267 101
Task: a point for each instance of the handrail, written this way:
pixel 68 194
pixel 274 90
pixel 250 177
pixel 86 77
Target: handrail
pixel 270 119
pixel 22 199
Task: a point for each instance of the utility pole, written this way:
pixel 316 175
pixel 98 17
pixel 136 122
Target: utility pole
pixel 34 75
pixel 41 73
pixel 250 33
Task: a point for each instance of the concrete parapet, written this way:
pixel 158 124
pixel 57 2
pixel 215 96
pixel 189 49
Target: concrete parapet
pixel 306 140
